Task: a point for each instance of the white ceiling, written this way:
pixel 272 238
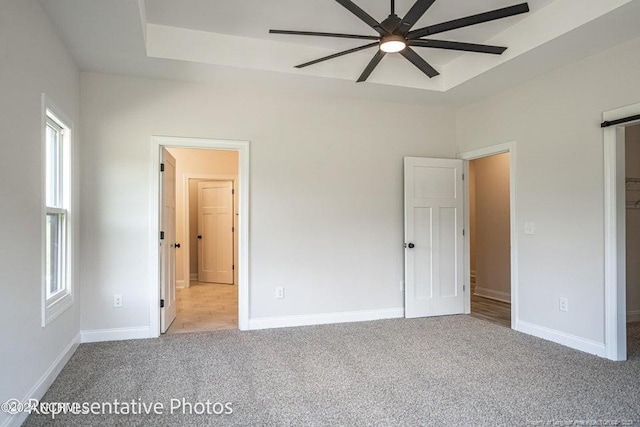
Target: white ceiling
pixel 254 19
pixel 228 41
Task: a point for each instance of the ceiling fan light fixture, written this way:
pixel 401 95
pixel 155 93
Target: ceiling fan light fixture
pixel 393 44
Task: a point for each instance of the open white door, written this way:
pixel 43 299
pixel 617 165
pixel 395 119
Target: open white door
pixel 434 225
pixel 215 232
pixel 167 241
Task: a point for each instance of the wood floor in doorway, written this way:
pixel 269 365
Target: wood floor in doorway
pixel 205 307
pixel 489 309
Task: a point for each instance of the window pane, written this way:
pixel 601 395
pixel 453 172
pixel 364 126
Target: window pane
pixel 54 253
pixel 53 172
pixel 57 283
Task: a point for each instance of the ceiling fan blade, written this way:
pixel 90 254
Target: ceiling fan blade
pixel 336 55
pixel 470 20
pixel 466 47
pixel 417 60
pixel 313 33
pixel 364 16
pixel 371 66
pixel 415 13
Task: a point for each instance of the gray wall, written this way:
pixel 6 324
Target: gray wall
pixel 554 120
pixel 326 214
pixel 33 60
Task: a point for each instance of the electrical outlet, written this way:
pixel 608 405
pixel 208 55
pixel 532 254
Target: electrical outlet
pixel 529 228
pixel 563 304
pixel 279 292
pixel 117 300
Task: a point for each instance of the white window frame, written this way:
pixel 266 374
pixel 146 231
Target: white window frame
pixel 55 304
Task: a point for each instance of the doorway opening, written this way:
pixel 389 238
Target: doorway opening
pixel 206 219
pixel 621 169
pixel 489 238
pixel 492 276
pixel 199 241
pixel 632 237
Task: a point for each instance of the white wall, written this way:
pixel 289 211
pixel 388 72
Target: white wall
pixel 32 60
pixel 555 120
pixel 326 219
pixel 490 247
pixel 632 169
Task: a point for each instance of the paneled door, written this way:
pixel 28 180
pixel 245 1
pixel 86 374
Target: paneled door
pixel 434 242
pixel 167 241
pixel 215 232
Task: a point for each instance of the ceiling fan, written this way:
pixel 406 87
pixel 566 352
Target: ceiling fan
pixel 395 35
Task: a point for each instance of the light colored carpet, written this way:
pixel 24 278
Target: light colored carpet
pixel 448 371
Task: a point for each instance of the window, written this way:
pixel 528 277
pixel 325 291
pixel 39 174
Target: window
pixel 57 292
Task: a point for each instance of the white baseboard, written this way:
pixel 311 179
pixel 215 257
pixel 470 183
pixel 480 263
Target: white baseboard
pixel 325 318
pixel 116 334
pixel 181 284
pixel 633 316
pixel 43 384
pixel 193 276
pixel 491 294
pixel 575 342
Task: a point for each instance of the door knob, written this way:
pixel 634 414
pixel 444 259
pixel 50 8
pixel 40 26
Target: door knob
pixel 199 236
pixel 410 246
pixel 177 245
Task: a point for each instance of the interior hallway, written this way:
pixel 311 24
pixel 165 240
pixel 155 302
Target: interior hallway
pixel 205 307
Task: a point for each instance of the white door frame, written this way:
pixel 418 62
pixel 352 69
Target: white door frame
pixel 242 147
pixel 187 203
pixel 615 263
pixel 508 147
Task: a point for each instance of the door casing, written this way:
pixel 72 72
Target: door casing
pixel 615 263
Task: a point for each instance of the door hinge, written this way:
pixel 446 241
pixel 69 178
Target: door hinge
pixel 162 235
pixel 463 177
pixel 233 267
pixel 464 288
pixel 463 232
pixel 233 191
pixel 161 167
pixel 233 229
pixel 161 303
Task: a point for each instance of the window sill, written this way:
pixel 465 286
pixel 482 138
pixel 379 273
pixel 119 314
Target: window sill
pixel 55 307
